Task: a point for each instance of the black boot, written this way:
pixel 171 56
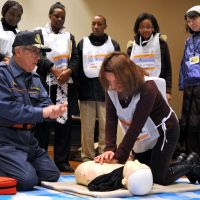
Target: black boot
pixel 194 160
pixel 196 172
pixel 192 175
pixel 180 159
pixel 178 171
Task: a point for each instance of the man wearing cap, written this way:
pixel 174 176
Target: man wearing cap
pixel 24 102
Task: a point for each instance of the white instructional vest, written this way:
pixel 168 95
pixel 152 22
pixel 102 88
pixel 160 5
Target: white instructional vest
pixel 6 41
pixel 147 139
pixel 148 56
pixel 93 56
pixel 60 45
pixel 60 54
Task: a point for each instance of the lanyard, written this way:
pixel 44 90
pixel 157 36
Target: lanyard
pixel 196 48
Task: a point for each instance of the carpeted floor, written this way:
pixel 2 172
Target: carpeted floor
pixel 73 163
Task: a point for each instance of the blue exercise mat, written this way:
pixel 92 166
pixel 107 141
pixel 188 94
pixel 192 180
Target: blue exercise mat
pixel 40 193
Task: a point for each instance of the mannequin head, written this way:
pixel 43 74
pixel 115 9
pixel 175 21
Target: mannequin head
pixel 138 178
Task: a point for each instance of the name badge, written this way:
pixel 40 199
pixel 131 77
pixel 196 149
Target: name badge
pixel 194 59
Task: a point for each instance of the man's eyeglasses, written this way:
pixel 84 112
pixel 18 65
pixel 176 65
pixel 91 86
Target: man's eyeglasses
pixel 35 51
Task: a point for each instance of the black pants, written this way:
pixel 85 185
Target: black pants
pixel 158 160
pixel 62 133
pixel 193 141
pixel 190 118
pixel 62 139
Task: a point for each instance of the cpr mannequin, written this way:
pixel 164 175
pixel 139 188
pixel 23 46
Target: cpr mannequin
pixel 87 171
pixel 137 177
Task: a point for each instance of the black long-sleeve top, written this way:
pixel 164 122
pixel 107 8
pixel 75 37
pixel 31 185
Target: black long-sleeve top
pixel 90 89
pixel 151 104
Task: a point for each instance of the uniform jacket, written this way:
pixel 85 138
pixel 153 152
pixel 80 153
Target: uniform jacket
pixel 21 100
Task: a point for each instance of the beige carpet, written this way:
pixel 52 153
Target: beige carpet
pixel 72 188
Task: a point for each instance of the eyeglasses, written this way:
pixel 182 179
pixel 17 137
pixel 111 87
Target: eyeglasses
pixel 192 20
pixel 147 28
pixel 35 51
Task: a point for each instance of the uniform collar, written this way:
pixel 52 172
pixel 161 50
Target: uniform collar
pixel 16 69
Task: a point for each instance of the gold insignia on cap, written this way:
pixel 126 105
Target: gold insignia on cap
pixel 38 39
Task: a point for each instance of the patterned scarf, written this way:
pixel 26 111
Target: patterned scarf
pixel 62 90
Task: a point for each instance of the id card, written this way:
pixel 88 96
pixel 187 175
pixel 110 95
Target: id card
pixel 194 59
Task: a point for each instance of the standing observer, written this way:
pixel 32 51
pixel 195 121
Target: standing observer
pixel 189 81
pixel 92 50
pixel 58 80
pixel 150 51
pixel 11 15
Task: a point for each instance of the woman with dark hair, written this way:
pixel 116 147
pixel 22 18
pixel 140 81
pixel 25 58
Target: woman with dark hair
pixel 149 49
pixel 150 126
pixel 59 79
pixel 11 15
pixel 189 81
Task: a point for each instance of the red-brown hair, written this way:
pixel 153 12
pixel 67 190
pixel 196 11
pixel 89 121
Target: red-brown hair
pixel 130 75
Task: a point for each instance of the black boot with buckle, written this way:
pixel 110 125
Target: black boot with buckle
pixel 194 160
pixel 180 160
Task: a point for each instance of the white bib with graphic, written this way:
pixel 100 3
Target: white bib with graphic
pixel 60 54
pixel 6 41
pixel 93 56
pixel 148 56
pixel 147 139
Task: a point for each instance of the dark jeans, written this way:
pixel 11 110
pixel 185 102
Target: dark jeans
pixel 29 168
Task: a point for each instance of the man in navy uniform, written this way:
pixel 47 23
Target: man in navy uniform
pixel 24 102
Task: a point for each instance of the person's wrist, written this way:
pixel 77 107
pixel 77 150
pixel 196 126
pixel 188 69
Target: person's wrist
pixel 69 70
pixel 44 113
pixel 52 69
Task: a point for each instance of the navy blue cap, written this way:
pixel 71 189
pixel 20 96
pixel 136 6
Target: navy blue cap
pixel 33 38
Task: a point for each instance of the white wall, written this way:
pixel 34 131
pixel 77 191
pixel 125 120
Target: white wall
pixel 120 15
